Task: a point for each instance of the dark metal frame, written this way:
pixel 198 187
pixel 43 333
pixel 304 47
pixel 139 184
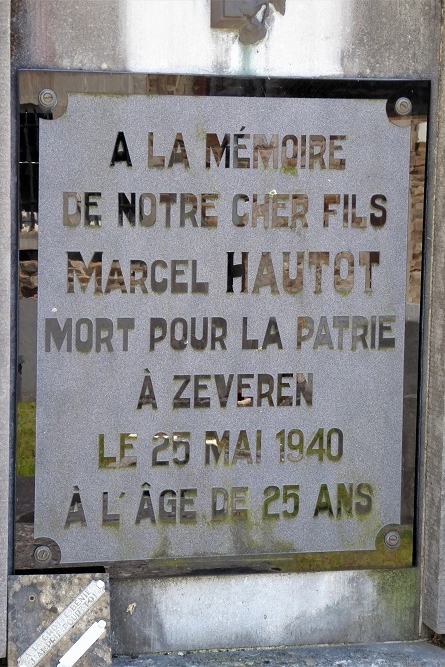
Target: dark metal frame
pixel 31 82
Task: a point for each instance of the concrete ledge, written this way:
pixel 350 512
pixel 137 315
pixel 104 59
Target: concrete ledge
pixel 409 654
pixel 237 611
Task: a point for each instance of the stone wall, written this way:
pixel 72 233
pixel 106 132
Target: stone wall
pixel 415 239
pixel 28 278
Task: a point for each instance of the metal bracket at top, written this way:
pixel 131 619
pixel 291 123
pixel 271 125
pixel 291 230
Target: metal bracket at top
pixel 247 16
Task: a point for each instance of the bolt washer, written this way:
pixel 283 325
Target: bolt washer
pixel 403 106
pixel 47 98
pixel 392 540
pixel 42 554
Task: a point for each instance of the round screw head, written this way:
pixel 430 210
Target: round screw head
pixel 392 540
pixel 42 554
pixel 47 98
pixel 403 106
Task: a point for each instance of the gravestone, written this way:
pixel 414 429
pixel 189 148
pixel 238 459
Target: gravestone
pixel 91 479
pixel 222 290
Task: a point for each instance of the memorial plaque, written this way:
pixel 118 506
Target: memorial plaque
pixel 221 321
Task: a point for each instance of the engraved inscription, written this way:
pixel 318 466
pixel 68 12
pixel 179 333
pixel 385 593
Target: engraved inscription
pixel 222 290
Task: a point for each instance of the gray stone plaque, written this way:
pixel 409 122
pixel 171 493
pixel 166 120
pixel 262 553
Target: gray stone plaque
pixel 221 328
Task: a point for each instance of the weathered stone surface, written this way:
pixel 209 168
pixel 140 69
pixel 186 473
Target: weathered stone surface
pixel 411 654
pixel 232 611
pixel 37 601
pixel 5 311
pixel 78 35
pixel 433 458
pixel 395 39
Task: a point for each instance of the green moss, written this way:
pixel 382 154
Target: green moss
pixel 163 549
pixel 289 170
pixel 26 438
pixel 397 593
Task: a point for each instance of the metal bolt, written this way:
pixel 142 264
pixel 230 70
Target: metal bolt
pixel 392 540
pixel 403 106
pixel 100 583
pixel 42 554
pixel 47 98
